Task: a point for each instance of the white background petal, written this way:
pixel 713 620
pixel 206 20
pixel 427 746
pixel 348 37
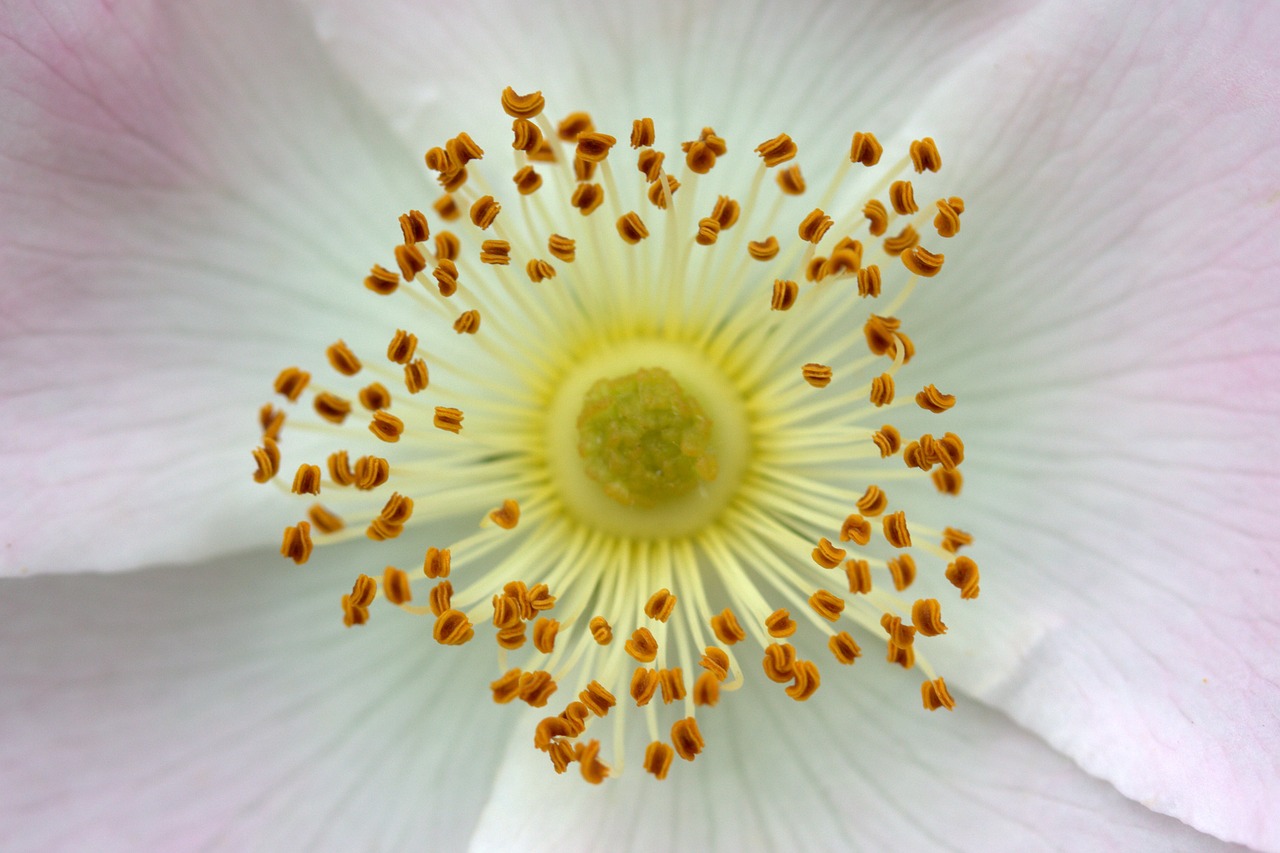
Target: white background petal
pixel 225 707
pixel 189 193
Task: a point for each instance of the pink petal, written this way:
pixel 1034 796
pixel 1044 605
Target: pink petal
pixel 189 193
pixel 225 706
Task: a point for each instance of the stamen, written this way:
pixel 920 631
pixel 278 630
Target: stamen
pixel 600 630
pixel 660 605
pixel 448 419
pixel 859 574
pixel 657 759
pixel 307 480
pixel 780 624
pixel 963 575
pixel 844 648
pixel 686 738
pixel 291 382
pixel 817 375
pixel 934 400
pixel 642 646
pixel 297 542
pixel 642 133
pixel 726 628
pixel 925 156
pixel 926 615
pixel 765 250
pixel 934 694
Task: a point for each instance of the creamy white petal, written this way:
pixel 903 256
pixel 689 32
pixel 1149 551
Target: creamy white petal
pixel 189 191
pixel 224 706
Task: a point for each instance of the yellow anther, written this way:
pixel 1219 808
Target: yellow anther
pixel 342 359
pixel 660 605
pixel 706 690
pixel 631 228
pixel 657 195
pixel 899 633
pixel 925 156
pixel 903 656
pixel 522 106
pixel 953 540
pixel 686 738
pixel 410 260
pixel 439 160
pixel 826 604
pixel 657 759
pixel 526 136
pixel 844 648
pixel 791 181
pixel 726 628
pixel 780 149
pixel 642 133
pixel 902 197
pixel 926 616
pixel 352 613
pixel 817 375
pixel 671 681
pixel 763 250
pixel 307 480
pixel 642 646
pixel 363 591
pixel 386 426
pixel 934 695
pixel 324 520
pixel 877 217
pixel 446 207
pixel 859 574
pixel 573 125
pixel 468 322
pixel 865 149
pixel 922 262
pixel 446 276
pixel 708 231
pixel 905 239
pixel 544 634
pixel 296 544
pixel 869 281
pixel 882 390
pixel 463 149
pixel 814 226
pixel 887 440
pixel 448 247
pixel 594 147
pixel 963 575
pixel 644 683
pixel 895 530
pixel 536 687
pixel 395 586
pixel 600 630
pixel 587 197
pixel 562 248
pixel 291 382
pixel 402 347
pixel 779 662
pixel 826 554
pixel 331 407
pixel 371 472
pixel 413 227
pixel 448 419
pixel 272 421
pixel 715 661
pixel 440 598
pixel 855 529
pixel 597 699
pixel 416 376
pixel 780 624
pixel 934 400
pixel 527 180
pixel 784 294
pixel 539 270
pixel 267 458
pixel 506 516
pixel 806 681
pixel 947 220
pixel 484 211
pixel 649 162
pixel 873 501
pixel 947 482
pixel 589 764
pixel 902 569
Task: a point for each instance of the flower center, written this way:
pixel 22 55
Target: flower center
pixel 651 452
pixel 666 445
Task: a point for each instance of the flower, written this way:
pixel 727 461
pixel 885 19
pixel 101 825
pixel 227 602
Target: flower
pixel 1116 360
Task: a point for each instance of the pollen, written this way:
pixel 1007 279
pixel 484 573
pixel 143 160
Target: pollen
pixel 688 461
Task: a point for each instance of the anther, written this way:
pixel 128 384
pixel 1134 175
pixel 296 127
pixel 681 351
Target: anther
pixel 446 207
pixel 686 738
pixel 903 656
pixel 877 217
pixel 726 628
pixel 468 322
pixel 526 136
pixel 925 156
pixel 660 605
pixel 779 662
pixel 386 426
pixel 791 181
pixel 484 211
pixel 963 575
pixel 267 458
pixel 562 248
pixel 363 591
pixel 522 106
pixel 826 554
pixel 446 276
pixel 855 529
pixel 342 359
pixel 642 646
pixel 536 687
pixel 953 540
pixel 699 157
pixel 511 637
pixel 437 562
pixel 574 125
pixel 291 382
pixel 649 162
pixel 296 544
pixel 597 699
pixel 390 522
pixel 905 239
pixel 813 271
pixel 381 281
pixel 631 228
pixel 671 681
pixel 448 419
pixel 464 149
pixel 657 759
pixel 895 530
pixel 706 690
pixel 780 149
pixel 883 337
pixel 506 611
pixel 448 247
pixel 395 586
pixel 307 480
pixel 934 695
pixel 340 468
pixel 600 630
pixel 402 347
pixel 899 633
pixel 584 170
pixel 887 439
pixel 658 196
pixel 826 604
pixel 439 160
pixel 865 149
pixel 644 683
pixel 539 270
pixel 440 598
pixel 947 220
pixel 715 661
pixel 589 764
pixel 544 634
pixel 807 681
pixel 587 197
pixel 814 226
pixel 506 516
pixel 902 197
pixel 352 613
pixel 410 260
pixel 506 688
pixel 527 180
pixel 869 281
pixel 708 231
pixel 947 482
pixel 543 152
pixel 416 376
pixel 594 147
pixel 323 519
pixel 763 250
pixel 844 648
pixel 902 569
pixel 642 133
pixel 873 501
pixel 550 729
pixel 817 375
pixel 371 472
pixel 780 624
pixel 859 574
pixel 934 400
pixel 272 421
pixel 784 294
pixel 922 262
pixel 926 616
pixel 413 226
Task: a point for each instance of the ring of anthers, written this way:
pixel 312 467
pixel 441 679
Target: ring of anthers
pixel 454 453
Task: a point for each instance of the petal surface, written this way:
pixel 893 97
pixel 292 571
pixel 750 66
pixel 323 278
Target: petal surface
pixel 1109 326
pixel 188 191
pixel 224 706
pixel 860 766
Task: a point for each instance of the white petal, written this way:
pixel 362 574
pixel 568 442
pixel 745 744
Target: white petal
pixel 189 192
pixel 226 707
pixel 861 766
pixel 1109 326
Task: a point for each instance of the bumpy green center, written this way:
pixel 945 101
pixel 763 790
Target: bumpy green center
pixel 643 439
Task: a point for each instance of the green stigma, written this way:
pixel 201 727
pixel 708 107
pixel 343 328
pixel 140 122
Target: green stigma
pixel 643 439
